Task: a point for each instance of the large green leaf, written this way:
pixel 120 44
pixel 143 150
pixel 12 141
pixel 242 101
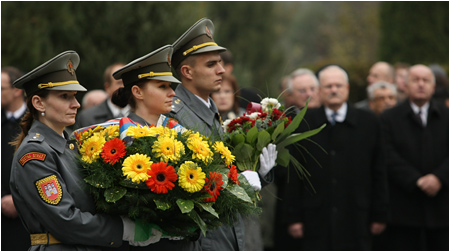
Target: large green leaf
pixel 243 152
pixel 293 125
pixel 94 181
pixel 114 194
pixel 299 136
pixel 185 206
pixel 237 139
pixel 208 207
pixel 252 135
pixel 283 157
pixel 162 205
pixel 263 140
pixel 277 131
pixel 239 192
pixel 194 216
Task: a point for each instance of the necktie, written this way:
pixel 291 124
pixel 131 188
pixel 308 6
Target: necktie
pixel 333 118
pixel 419 116
pixel 12 119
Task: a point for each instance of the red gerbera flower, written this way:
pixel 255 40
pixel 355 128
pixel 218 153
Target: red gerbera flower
pixel 113 151
pixel 213 185
pixel 161 178
pixel 233 175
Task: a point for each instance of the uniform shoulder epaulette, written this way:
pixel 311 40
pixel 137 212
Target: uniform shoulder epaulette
pixel 177 105
pixel 37 137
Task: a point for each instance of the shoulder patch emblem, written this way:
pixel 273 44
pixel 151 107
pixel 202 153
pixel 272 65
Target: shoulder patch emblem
pixel 30 156
pixel 50 189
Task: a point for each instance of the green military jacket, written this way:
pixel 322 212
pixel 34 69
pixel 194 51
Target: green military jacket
pixel 192 113
pixel 50 197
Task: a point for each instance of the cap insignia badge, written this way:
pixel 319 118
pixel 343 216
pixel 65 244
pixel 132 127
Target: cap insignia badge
pixel 49 189
pixel 169 60
pixel 208 32
pixel 70 67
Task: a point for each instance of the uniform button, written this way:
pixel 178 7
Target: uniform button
pixel 332 152
pixel 334 181
pixel 112 243
pixel 335 209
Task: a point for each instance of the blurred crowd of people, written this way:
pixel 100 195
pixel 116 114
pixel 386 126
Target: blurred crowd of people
pixel 379 170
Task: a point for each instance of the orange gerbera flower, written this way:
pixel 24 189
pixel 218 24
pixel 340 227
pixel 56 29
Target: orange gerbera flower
pixel 161 177
pixel 213 185
pixel 233 175
pixel 113 151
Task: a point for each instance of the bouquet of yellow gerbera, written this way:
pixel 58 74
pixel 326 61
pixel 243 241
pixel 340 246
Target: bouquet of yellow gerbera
pixel 178 180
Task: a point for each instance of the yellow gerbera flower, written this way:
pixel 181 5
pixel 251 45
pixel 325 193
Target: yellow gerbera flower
pixel 200 149
pixel 111 132
pixel 168 148
pixel 91 148
pixel 162 131
pixel 219 147
pixel 137 131
pixel 190 177
pixel 135 167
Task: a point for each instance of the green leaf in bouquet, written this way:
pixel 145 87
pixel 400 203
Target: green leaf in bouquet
pixel 96 181
pixel 277 131
pixel 130 184
pixel 263 140
pixel 242 166
pixel 237 139
pixel 208 207
pixel 299 136
pixel 293 125
pixel 197 219
pixel 224 173
pixel 252 135
pixel 243 152
pixel 114 194
pixel 162 205
pixel 185 206
pixel 239 192
pixel 283 157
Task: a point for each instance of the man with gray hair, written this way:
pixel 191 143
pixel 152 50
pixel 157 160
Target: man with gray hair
pixel 382 95
pixel 380 71
pixel 302 84
pixel 346 166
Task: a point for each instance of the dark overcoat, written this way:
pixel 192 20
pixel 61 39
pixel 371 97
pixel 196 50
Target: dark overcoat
pixel 350 182
pixel 414 151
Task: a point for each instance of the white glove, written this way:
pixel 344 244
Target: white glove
pixel 139 234
pixel 267 159
pixel 253 179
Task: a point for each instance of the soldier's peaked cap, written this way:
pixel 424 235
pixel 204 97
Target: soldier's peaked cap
pixel 153 66
pixel 197 39
pixel 56 74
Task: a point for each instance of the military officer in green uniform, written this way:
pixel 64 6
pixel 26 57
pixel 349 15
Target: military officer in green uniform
pixel 46 186
pixel 197 62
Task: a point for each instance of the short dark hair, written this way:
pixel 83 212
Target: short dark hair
pixel 13 73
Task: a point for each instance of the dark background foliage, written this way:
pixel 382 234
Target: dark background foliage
pixel 268 39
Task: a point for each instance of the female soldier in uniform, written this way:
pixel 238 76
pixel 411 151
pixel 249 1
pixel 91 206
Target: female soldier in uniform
pixel 147 90
pixel 46 187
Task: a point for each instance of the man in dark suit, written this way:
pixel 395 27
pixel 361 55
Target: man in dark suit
pixel 350 200
pixel 14 234
pixel 105 110
pixel 416 136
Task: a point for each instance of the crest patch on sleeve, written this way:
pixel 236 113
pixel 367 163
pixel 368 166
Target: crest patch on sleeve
pixel 49 189
pixel 32 155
